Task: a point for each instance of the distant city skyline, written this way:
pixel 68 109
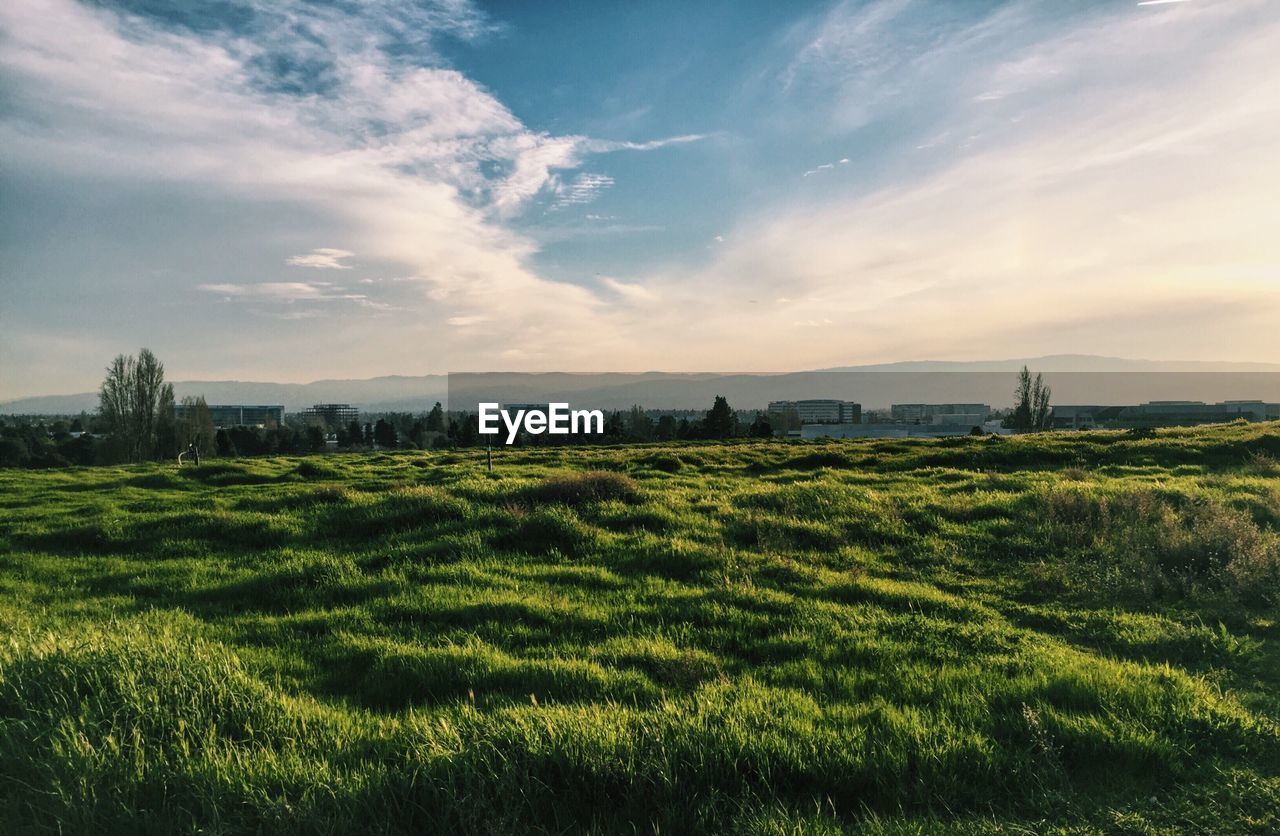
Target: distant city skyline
pixel 291 192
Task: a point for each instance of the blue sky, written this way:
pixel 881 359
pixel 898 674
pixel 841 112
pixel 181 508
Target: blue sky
pixel 292 191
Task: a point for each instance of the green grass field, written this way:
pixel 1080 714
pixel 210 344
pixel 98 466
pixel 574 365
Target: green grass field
pixel 1070 632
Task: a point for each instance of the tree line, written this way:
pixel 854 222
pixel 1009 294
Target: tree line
pixel 138 420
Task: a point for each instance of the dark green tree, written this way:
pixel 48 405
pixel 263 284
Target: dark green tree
pixel 435 419
pixel 351 436
pixel 639 426
pixel 384 434
pixel 720 421
pixel 761 428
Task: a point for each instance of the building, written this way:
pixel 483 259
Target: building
pixel 331 416
pixel 240 415
pixel 815 411
pixel 1161 414
pixel 947 414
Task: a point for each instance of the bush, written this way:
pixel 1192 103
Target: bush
pixel 589 486
pixel 663 462
pixel 1167 544
pixel 309 469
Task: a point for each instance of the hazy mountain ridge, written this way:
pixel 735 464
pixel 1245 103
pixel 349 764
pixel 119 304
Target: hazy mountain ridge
pixel 1062 363
pixel 396 393
pixel 1076 378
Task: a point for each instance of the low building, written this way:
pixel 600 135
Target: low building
pixel 815 411
pixel 1161 414
pixel 332 416
pixel 239 415
pixel 959 414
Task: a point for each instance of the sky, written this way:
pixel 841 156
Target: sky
pixel 289 191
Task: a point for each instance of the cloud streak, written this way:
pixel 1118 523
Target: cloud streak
pixel 324 258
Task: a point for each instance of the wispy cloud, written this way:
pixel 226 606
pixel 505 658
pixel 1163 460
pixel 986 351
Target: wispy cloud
pixel 604 146
pixel 322 108
pixel 1052 209
pixel 584 188
pixel 283 291
pixel 1012 183
pixel 826 167
pixel 324 258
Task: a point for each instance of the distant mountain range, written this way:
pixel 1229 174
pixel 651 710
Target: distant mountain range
pixel 395 393
pixel 1076 378
pixel 1062 363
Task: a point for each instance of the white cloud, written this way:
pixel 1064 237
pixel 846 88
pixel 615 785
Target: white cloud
pixel 632 293
pixel 324 258
pixel 283 291
pixel 582 189
pixel 418 165
pixel 603 146
pixel 1119 202
pixel 1120 198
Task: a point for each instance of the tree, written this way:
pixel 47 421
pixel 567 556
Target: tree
pixel 639 425
pixel 384 434
pixel 196 427
pixel 720 421
pixel 113 400
pixel 134 401
pixel 465 431
pixel 613 425
pixel 14 452
pixel 315 438
pixel 80 450
pixel 435 419
pixel 761 428
pixel 667 428
pixel 166 424
pixel 1031 410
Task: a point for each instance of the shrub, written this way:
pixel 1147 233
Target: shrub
pixel 1178 545
pixel 665 462
pixel 818 460
pixel 589 486
pixel 309 469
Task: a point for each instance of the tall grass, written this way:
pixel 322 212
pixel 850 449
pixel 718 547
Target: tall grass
pixel 1069 633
